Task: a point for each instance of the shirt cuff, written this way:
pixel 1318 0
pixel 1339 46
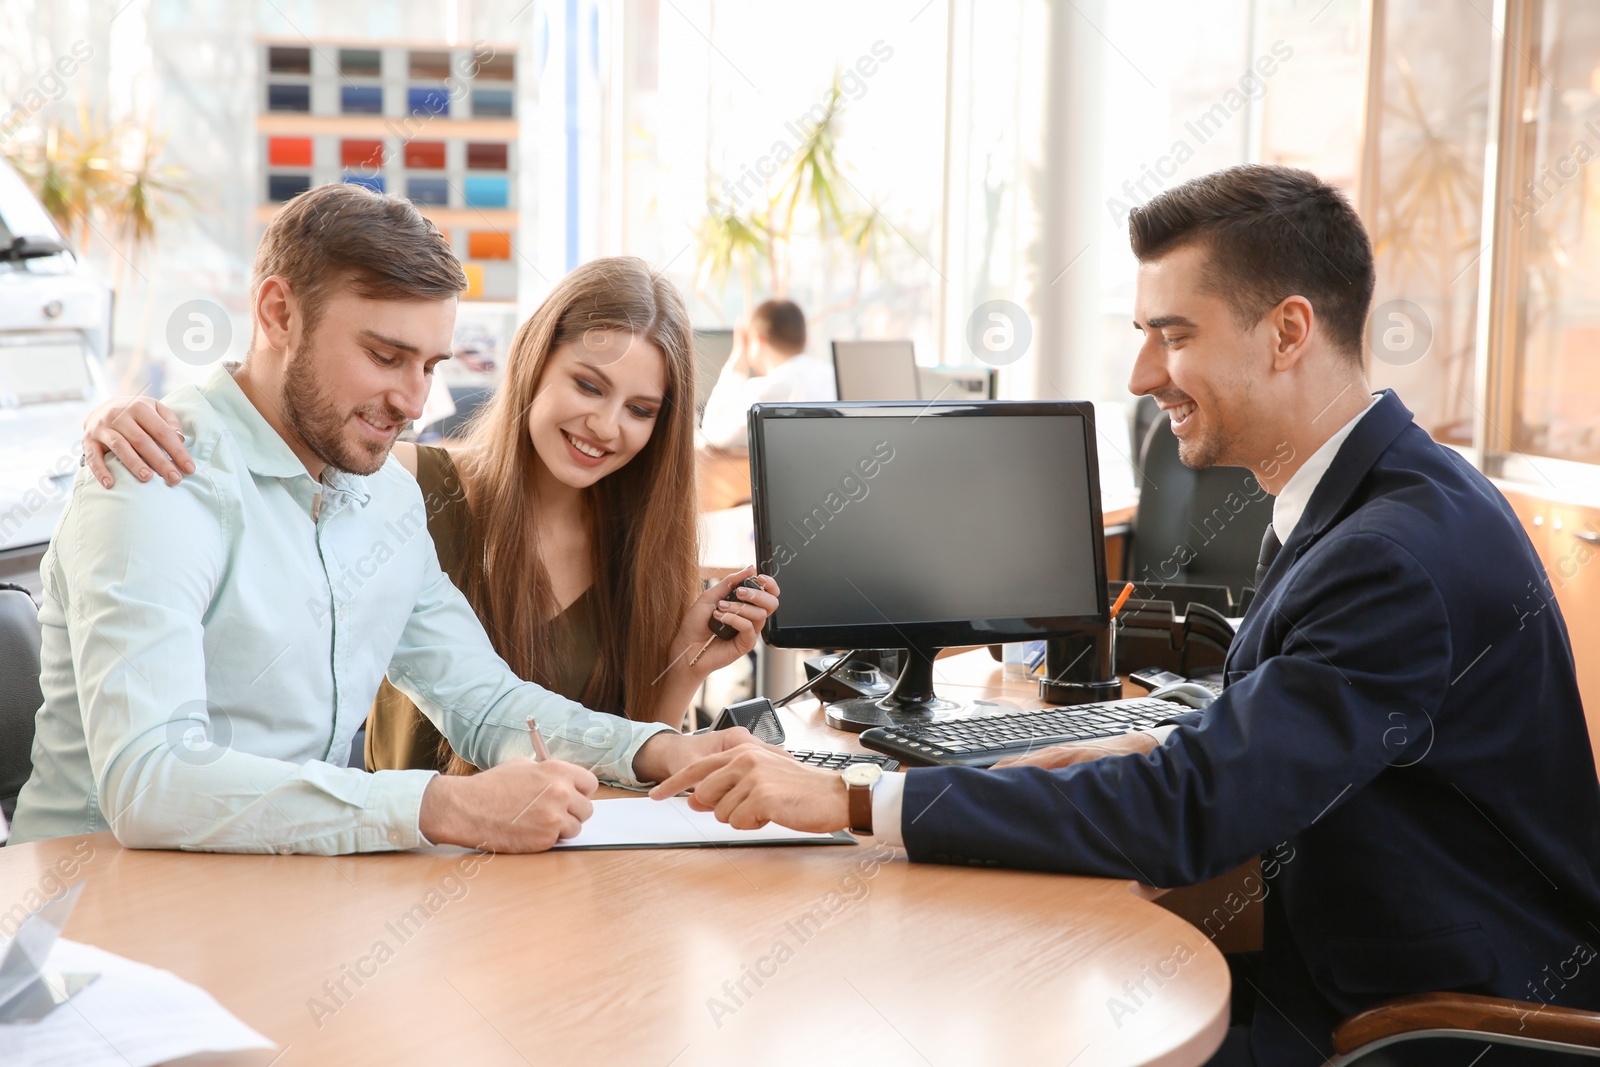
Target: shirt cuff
pixel 888 798
pixel 395 802
pixel 643 733
pixel 887 801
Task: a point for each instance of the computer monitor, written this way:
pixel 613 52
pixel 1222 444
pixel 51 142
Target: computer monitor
pixel 711 351
pixel 926 526
pixel 875 370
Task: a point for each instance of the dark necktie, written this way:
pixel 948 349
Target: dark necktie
pixel 1270 546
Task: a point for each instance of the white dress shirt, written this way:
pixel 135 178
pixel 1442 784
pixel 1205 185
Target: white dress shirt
pixel 1290 504
pixel 210 649
pixel 1292 499
pixel 797 379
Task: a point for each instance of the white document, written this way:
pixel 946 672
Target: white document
pixel 639 822
pixel 133 1015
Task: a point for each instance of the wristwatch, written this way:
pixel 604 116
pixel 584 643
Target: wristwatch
pixel 859 778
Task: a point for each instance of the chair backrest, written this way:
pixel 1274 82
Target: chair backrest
pixel 1144 414
pixel 1217 514
pixel 20 696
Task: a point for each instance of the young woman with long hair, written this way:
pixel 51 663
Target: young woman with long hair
pixel 568 517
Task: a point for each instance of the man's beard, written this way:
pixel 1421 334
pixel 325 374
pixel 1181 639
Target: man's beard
pixel 1201 452
pixel 1208 448
pixel 322 426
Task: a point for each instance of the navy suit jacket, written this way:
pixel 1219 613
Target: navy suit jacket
pixel 1400 739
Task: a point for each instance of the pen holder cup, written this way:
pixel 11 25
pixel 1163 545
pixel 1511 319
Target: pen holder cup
pixel 1081 670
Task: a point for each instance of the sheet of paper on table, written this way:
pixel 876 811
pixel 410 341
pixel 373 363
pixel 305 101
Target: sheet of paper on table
pixel 639 822
pixel 133 1015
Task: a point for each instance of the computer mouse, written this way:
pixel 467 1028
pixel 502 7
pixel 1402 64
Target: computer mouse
pixel 1190 693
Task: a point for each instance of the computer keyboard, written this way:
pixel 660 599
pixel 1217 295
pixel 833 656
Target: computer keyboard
pixel 838 761
pixel 984 739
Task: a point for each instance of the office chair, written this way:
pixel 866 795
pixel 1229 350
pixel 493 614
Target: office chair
pixel 20 696
pixel 1218 513
pixel 1529 1032
pixel 1144 415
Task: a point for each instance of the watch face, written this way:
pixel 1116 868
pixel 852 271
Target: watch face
pixel 862 773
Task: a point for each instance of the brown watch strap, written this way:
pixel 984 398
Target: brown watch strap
pixel 860 808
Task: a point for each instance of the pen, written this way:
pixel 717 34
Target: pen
pixel 540 753
pixel 1122 599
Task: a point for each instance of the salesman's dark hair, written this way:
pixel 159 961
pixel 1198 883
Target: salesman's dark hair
pixel 1269 233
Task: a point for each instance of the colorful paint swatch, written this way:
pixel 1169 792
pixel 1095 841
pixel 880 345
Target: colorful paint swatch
pixel 428 101
pixel 360 62
pixel 428 191
pixel 288 60
pixel 488 244
pixel 430 65
pixel 281 187
pixel 361 99
pixel 485 156
pixel 360 154
pixel 425 155
pixel 491 103
pixel 288 97
pixel 289 152
pixel 496 68
pixel 486 192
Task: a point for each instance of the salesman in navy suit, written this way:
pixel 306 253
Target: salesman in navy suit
pixel 1401 731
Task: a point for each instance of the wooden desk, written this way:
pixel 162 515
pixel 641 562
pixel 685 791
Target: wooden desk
pixel 722 479
pixel 448 956
pixel 727 541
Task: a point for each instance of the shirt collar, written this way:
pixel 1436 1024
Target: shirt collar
pixel 1290 503
pixel 265 451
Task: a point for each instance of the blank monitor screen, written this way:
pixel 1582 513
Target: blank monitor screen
pixel 903 515
pixel 875 370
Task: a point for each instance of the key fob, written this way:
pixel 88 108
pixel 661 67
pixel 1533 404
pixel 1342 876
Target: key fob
pixel 722 629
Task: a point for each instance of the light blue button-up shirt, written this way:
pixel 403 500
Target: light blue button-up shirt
pixel 210 650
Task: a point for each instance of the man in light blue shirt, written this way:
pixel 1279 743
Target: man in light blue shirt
pixel 211 647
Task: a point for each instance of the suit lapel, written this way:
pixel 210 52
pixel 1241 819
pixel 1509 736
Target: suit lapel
pixel 1335 494
pixel 1333 497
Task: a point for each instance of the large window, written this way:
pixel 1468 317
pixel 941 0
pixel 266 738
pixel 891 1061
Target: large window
pixel 715 102
pixel 1483 204
pixel 1425 207
pixel 936 140
pixel 1555 346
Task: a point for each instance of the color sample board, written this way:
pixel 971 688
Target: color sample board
pixel 435 125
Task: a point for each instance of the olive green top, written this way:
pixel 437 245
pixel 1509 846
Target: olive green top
pixel 399 737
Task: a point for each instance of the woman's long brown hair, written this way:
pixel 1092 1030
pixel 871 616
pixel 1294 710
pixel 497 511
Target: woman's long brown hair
pixel 645 567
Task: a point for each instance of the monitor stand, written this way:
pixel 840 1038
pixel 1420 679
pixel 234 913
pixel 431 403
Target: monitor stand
pixel 912 701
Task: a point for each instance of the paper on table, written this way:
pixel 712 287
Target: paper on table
pixel 132 1016
pixel 639 822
